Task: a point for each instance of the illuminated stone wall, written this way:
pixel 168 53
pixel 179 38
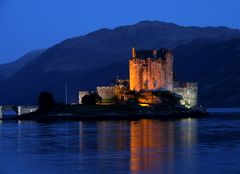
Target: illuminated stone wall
pixel 105 92
pixel 151 73
pixel 189 92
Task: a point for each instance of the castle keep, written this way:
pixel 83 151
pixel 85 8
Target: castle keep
pixel 151 70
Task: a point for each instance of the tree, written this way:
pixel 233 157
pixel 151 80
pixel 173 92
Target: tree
pixel 45 101
pixel 91 99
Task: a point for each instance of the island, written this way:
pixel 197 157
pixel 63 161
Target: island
pixel 151 92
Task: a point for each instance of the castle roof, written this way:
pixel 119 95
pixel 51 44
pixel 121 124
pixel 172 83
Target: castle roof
pixel 154 54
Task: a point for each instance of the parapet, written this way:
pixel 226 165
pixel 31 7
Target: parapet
pixel 152 54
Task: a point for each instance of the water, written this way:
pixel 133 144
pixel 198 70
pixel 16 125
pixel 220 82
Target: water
pixel 209 145
pixel 223 110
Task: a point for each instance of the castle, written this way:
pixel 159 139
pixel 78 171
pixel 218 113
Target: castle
pixel 149 70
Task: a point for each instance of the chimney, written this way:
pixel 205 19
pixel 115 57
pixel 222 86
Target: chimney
pixel 133 52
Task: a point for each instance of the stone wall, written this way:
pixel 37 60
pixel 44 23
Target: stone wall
pixel 189 92
pixel 151 73
pixel 105 92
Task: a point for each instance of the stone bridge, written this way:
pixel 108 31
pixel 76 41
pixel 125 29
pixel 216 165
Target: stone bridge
pixel 19 110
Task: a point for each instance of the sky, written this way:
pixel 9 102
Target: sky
pixel 27 25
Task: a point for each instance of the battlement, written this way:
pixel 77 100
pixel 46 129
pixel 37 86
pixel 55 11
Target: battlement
pixel 161 53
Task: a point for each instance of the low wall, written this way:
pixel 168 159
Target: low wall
pixel 189 92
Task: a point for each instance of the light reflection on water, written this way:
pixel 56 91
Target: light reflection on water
pixel 208 145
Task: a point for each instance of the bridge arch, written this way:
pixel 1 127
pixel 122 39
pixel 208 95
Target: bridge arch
pixel 4 109
pixel 19 110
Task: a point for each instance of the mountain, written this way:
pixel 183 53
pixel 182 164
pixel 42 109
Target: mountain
pixel 98 57
pixel 8 69
pixel 97 49
pixel 215 66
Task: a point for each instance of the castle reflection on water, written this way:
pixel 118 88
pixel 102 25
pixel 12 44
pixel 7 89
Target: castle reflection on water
pixel 208 145
pixel 147 145
pixel 92 147
pixel 152 143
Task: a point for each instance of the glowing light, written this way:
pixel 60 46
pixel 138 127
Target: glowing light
pixel 184 103
pixel 144 104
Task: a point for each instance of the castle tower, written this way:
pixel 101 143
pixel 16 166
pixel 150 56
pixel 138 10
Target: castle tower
pixel 151 70
pixel 169 70
pixel 133 52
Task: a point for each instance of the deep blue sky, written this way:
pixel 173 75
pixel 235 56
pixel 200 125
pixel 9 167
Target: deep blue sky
pixel 31 24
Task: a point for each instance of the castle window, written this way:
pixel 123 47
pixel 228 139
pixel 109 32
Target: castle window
pixel 146 85
pixel 155 84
